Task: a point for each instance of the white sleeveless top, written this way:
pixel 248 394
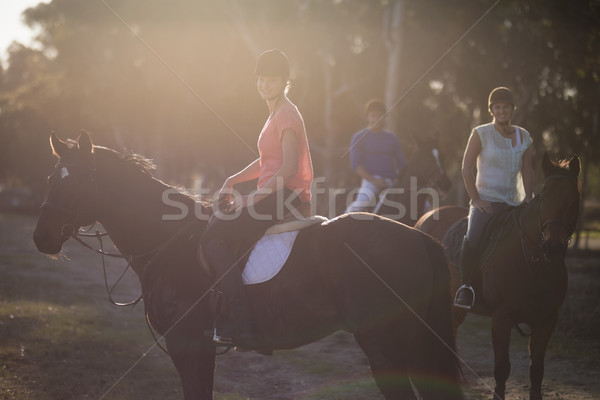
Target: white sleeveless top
pixel 499 165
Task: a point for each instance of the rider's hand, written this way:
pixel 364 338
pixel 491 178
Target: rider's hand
pixel 483 205
pixel 226 201
pixel 381 183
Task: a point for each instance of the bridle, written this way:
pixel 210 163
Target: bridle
pixel 151 255
pixel 68 231
pixel 73 215
pixel 568 227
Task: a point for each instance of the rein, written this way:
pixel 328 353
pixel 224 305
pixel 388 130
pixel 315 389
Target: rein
pixel 98 235
pixel 74 218
pixel 529 255
pixel 154 253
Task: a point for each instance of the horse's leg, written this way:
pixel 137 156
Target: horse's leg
pixel 390 377
pixel 537 352
pixel 501 327
pixel 194 359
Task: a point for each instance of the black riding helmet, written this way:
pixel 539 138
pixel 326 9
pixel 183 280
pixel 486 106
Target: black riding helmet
pixel 375 105
pixel 500 95
pixel 273 63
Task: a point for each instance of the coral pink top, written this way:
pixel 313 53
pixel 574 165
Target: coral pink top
pixel 286 116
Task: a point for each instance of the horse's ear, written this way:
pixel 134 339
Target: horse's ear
pixel 85 142
pixel 574 166
pixel 59 148
pixel 546 164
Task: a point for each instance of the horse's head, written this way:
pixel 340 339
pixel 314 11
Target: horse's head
pixel 70 201
pixel 430 166
pixel 559 206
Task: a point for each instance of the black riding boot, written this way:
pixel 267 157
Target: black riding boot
pixel 237 327
pixel 465 296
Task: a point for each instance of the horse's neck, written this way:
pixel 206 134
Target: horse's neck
pixel 530 224
pixel 133 213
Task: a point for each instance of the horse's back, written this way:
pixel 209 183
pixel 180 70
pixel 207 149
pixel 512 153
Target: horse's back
pixel 437 222
pixel 371 262
pixel 350 272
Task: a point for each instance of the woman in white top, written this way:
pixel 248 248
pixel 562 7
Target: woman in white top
pixel 505 177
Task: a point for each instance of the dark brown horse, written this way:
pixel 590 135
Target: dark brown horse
pixel 523 277
pixel 381 280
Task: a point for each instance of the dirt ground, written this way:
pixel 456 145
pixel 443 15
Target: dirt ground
pixel 335 368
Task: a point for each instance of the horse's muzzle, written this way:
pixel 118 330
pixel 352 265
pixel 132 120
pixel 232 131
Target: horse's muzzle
pixel 47 244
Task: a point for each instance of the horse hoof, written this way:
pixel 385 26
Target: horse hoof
pixel 535 395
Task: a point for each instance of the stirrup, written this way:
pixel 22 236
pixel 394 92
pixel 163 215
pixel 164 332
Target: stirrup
pixel 221 341
pixel 466 307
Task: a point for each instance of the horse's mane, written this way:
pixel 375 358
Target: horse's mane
pixel 559 167
pixel 141 163
pixel 146 166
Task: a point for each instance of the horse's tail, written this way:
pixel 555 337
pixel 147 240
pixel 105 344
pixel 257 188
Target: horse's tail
pixel 440 358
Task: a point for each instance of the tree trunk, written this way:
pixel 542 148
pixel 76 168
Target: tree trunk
pixel 392 36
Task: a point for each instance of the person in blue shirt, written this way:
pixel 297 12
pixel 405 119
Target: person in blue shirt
pixel 376 157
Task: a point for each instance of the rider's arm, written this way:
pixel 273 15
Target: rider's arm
pixel 364 174
pixel 468 165
pixel 528 175
pixel 251 171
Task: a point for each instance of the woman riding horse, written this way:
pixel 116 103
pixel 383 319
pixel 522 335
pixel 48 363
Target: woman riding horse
pixel 502 153
pixel 284 165
pixel 382 281
pixel 522 276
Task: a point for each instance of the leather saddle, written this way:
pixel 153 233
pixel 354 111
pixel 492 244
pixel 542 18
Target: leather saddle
pixel 497 229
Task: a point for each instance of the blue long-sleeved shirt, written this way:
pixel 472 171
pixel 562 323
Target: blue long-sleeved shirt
pixel 380 153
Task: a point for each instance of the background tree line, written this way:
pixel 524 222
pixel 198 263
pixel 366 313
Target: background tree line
pixel 174 80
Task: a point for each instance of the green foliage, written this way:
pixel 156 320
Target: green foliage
pixel 174 80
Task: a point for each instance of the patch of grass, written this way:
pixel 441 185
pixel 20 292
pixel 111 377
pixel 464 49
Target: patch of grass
pixel 358 389
pixel 59 339
pixel 576 336
pixel 310 363
pixel 61 352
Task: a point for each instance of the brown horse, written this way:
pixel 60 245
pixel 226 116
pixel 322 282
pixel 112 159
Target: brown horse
pixel 381 280
pixel 523 278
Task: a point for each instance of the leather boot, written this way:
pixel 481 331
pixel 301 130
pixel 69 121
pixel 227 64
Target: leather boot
pixel 237 327
pixel 465 295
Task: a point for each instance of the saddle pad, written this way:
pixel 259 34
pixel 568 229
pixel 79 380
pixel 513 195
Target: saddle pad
pixel 452 241
pixel 268 256
pixel 497 228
